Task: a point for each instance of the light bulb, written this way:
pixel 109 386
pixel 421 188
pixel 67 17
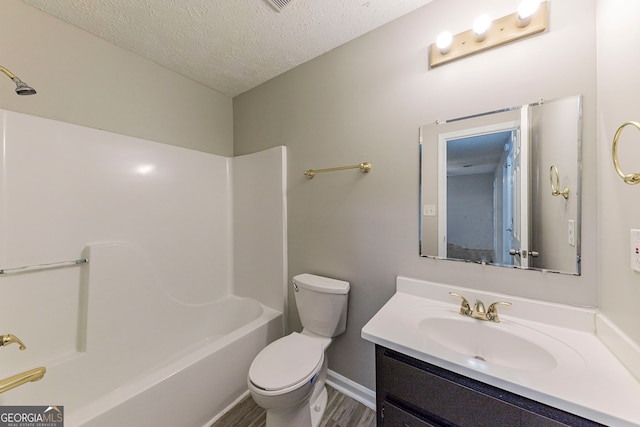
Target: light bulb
pixel 443 42
pixel 526 10
pixel 481 27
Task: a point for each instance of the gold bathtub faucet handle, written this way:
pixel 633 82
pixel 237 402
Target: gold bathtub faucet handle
pixel 7 339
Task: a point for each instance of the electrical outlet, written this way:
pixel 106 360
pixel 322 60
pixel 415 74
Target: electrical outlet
pixel 635 250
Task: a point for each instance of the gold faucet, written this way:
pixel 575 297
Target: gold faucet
pixel 22 378
pixel 478 311
pixel 7 339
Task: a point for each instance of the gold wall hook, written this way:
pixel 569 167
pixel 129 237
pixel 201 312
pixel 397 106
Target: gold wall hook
pixel 632 178
pixel 364 167
pixel 555 186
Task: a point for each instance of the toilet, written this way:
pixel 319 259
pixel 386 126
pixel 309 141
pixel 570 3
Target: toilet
pixel 287 378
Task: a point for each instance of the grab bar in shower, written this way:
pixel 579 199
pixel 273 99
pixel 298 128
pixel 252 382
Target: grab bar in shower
pixel 43 266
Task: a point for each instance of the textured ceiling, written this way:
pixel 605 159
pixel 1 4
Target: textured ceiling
pixel 228 45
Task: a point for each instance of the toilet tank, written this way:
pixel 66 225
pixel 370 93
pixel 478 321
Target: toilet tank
pixel 322 304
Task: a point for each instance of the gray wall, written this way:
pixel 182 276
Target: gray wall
pixel 619 203
pixel 84 80
pixel 365 101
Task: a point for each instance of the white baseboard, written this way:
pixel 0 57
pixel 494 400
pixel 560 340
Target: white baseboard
pixel 227 409
pixel 343 384
pixel 352 389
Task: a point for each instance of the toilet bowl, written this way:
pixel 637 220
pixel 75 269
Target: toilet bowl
pixel 283 376
pixel 287 378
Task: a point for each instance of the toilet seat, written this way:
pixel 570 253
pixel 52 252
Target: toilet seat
pixel 287 362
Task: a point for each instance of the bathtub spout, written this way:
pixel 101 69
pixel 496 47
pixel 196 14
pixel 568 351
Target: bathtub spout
pixel 7 339
pixel 22 378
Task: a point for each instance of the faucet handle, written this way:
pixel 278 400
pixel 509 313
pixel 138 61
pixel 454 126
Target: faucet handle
pixel 492 312
pixel 7 339
pixel 465 308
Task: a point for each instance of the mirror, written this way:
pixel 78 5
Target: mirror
pixel 503 187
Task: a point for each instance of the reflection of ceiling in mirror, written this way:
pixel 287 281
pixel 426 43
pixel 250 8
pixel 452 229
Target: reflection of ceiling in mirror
pixel 476 154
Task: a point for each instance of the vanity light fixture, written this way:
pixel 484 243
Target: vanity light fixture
pixel 531 18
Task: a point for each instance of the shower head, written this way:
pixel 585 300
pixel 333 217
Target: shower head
pixel 21 87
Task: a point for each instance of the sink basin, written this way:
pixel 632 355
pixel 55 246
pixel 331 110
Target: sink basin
pixel 482 345
pixel 488 342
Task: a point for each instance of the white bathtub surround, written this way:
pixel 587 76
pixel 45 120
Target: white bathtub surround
pixel 156 309
pixel 259 223
pixel 588 379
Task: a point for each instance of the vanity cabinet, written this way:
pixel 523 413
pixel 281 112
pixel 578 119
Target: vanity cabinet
pixel 414 393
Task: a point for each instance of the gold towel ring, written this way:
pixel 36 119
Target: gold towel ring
pixel 555 187
pixel 632 178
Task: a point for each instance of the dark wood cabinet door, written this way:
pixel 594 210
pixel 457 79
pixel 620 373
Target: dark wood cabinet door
pixel 421 394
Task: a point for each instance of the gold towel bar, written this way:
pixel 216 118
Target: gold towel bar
pixel 364 167
pixel 555 187
pixel 43 266
pixel 632 178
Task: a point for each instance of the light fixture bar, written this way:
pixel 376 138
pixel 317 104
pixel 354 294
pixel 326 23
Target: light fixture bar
pixel 503 30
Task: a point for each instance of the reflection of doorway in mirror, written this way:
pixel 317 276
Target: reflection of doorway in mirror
pixel 483 195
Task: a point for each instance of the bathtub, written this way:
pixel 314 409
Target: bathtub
pixel 193 387
pixel 190 386
pixel 143 357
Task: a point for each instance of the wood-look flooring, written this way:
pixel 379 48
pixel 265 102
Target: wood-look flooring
pixel 342 411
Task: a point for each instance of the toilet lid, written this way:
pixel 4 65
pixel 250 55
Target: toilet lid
pixel 286 362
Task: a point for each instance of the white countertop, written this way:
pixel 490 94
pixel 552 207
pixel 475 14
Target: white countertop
pixel 594 385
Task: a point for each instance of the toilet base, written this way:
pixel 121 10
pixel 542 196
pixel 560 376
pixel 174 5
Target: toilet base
pixel 296 416
pixel 318 407
pixel 308 415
